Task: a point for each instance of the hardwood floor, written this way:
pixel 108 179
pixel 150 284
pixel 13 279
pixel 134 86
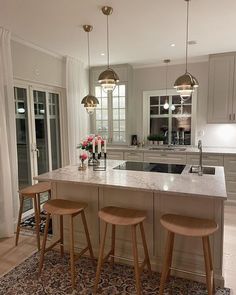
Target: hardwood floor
pixel 10 256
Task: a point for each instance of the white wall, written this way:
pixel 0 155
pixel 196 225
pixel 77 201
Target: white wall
pixel 37 66
pixel 220 135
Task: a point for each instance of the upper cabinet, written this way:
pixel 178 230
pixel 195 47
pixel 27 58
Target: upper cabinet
pixel 222 89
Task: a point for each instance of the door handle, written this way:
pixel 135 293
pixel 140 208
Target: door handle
pixel 35 149
pixel 38 153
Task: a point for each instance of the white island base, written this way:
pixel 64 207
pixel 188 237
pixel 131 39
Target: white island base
pixel 188 259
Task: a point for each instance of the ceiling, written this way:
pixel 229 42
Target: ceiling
pixel 140 31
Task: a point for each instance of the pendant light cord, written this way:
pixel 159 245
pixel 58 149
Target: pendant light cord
pixel 88 57
pixel 187 28
pixel 108 54
pixel 166 78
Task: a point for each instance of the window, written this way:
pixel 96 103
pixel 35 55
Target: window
pixel 110 121
pixel 169 117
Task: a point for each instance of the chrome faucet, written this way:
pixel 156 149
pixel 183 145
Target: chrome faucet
pixel 200 170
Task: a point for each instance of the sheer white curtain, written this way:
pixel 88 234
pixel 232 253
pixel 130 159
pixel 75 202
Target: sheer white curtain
pixel 78 119
pixel 8 151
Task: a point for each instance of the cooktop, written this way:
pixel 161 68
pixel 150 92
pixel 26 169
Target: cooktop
pixel 151 167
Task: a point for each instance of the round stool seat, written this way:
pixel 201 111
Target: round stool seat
pixel 122 216
pixel 38 188
pixel 64 207
pixel 188 226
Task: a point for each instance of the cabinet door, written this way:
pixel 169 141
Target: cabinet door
pixel 133 156
pixel 220 96
pixel 231 188
pixel 230 166
pixel 163 157
pixel 114 155
pixel 207 160
pixel 234 97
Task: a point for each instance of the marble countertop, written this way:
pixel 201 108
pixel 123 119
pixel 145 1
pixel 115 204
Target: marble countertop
pixel 176 149
pixel 183 184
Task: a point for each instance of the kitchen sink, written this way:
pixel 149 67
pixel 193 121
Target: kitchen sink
pixel 205 170
pixel 167 149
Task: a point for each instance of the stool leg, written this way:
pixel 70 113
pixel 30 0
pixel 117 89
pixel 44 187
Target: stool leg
pixel 170 257
pixel 167 261
pixel 72 256
pixel 38 202
pixel 19 219
pixel 113 241
pixel 136 264
pixel 61 236
pixel 100 259
pixel 147 260
pixel 44 243
pixel 36 213
pixel 49 194
pixel 211 264
pixel 87 234
pixel 208 265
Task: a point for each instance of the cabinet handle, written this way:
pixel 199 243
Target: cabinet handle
pixel 230 117
pixel 234 117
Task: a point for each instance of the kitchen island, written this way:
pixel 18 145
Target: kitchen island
pixel 157 193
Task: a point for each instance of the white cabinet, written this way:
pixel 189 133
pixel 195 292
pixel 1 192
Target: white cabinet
pixel 163 157
pixel 133 156
pixel 230 176
pixel 115 155
pixel 222 91
pixel 207 159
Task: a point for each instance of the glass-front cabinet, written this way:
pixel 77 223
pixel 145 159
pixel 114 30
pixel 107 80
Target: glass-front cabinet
pixel 169 118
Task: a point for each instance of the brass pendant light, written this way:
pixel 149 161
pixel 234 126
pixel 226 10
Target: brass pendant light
pixel 186 84
pixel 89 101
pixel 108 79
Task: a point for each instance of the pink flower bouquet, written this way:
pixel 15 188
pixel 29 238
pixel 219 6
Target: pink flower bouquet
pixel 87 144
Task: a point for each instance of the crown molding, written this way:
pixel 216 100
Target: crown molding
pixel 204 58
pixel 18 39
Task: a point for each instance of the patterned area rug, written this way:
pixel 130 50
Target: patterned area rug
pixel 55 279
pixel 29 223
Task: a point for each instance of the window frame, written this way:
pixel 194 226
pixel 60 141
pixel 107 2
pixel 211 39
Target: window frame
pixel 146 113
pixel 110 116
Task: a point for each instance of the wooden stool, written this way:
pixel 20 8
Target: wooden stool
pixel 71 209
pixel 127 217
pixel 191 227
pixel 32 192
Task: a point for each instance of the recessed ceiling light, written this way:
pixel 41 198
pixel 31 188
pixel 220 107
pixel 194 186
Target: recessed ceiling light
pixel 192 42
pixel 102 54
pixel 172 44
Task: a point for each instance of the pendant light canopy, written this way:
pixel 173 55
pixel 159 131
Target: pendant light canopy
pixel 89 101
pixel 186 84
pixel 108 79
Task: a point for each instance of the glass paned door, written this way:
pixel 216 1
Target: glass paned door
pixel 40 119
pixel 38 134
pixel 23 141
pixel 54 130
